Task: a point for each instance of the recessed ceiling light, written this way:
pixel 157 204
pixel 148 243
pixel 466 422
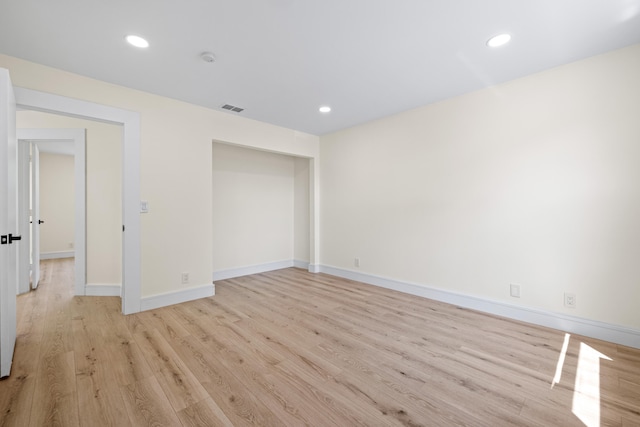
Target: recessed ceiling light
pixel 137 41
pixel 324 109
pixel 499 40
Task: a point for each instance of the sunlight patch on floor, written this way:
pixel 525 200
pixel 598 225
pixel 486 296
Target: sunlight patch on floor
pixel 586 391
pixel 560 365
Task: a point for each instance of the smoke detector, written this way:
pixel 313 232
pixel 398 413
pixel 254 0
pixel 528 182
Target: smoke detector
pixel 207 57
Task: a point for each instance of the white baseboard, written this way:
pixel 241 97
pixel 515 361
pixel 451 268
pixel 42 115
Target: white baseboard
pixel 315 268
pixel 56 255
pixel 572 324
pixel 103 290
pixel 177 297
pixel 301 264
pixel 251 269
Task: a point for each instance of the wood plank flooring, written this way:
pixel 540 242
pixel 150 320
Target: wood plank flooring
pixel 290 348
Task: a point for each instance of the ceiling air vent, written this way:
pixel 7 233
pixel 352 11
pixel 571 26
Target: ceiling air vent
pixel 232 108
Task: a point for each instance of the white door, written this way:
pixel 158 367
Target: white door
pixel 24 198
pixel 35 217
pixel 8 222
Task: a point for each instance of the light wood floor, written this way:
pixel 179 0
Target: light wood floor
pixel 290 348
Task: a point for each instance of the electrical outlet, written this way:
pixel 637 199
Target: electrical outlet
pixel 570 300
pixel 185 278
pixel 515 291
pixel 356 262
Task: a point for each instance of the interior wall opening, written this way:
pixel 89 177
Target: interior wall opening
pixel 103 199
pixel 261 211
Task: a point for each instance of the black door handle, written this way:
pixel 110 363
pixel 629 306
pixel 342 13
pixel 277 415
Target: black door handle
pixel 7 240
pixel 40 221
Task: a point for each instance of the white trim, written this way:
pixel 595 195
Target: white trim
pixel 301 264
pixel 130 120
pixel 80 236
pixel 251 269
pixel 314 268
pixel 103 290
pixel 57 255
pixel 572 324
pixel 177 297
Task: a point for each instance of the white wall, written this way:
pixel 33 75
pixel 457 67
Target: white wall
pixel 56 203
pixel 253 207
pixel 176 168
pixel 534 182
pixel 104 191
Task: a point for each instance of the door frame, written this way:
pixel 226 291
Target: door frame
pixel 43 136
pixel 35 203
pixel 29 99
pixel 24 180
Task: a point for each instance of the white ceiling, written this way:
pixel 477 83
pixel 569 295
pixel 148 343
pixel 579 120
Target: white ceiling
pixel 282 59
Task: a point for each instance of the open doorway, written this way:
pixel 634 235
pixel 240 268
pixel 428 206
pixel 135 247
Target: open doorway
pixel 98 244
pixel 28 99
pixel 56 202
pixel 65 178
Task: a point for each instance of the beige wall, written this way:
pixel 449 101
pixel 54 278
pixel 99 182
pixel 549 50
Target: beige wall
pixel 104 203
pixel 175 170
pixel 534 182
pixel 301 217
pixel 104 191
pixel 56 203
